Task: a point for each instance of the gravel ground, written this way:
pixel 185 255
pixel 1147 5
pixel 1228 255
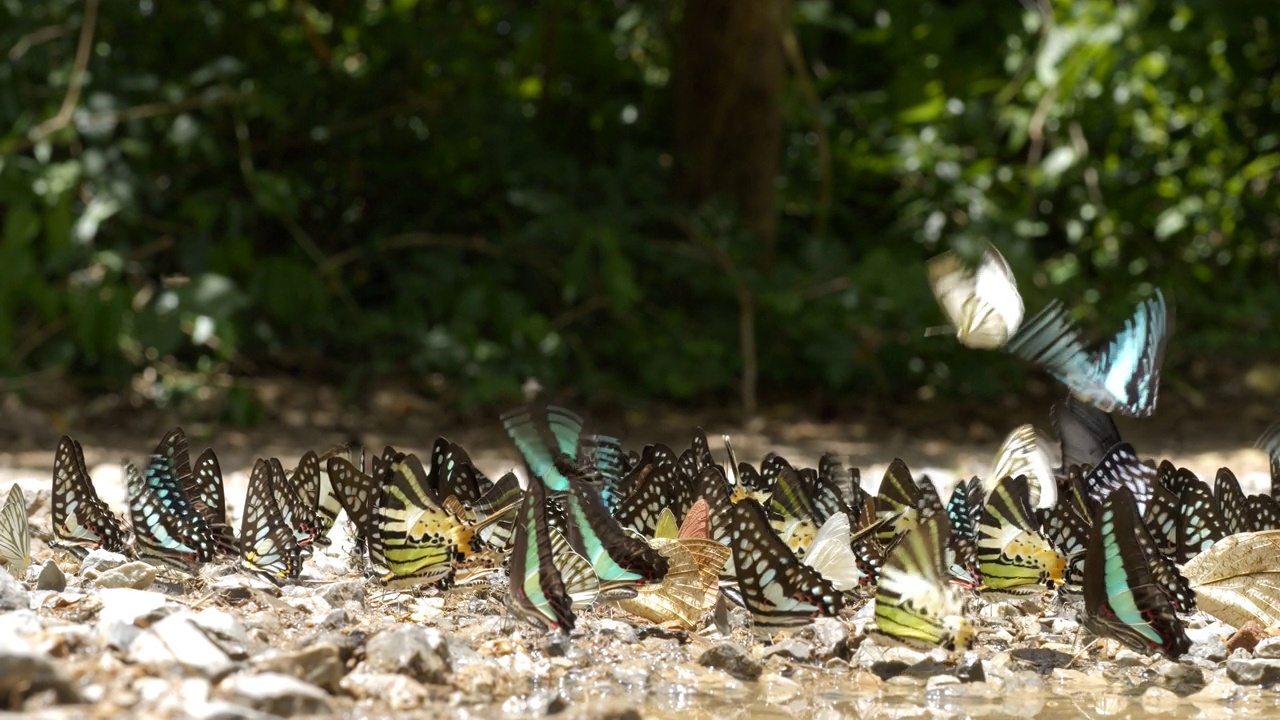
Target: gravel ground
pixel 122 640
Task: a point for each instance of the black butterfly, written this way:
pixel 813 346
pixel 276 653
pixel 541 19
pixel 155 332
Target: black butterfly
pixel 1231 501
pixel 1067 525
pixel 774 586
pixel 268 546
pixel 329 505
pixel 1086 433
pixel 1200 523
pixel 1122 598
pixel 537 590
pixel 359 494
pixel 208 496
pixel 81 520
pixel 1261 512
pixel 1120 467
pixel 966 496
pixel 298 495
pixel 166 528
pixel 653 491
pixel 832 472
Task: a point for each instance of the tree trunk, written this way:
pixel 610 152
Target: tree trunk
pixel 728 87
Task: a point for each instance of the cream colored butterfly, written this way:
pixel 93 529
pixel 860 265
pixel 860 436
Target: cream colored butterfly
pixel 983 304
pixel 15 534
pixel 1021 454
pixel 831 554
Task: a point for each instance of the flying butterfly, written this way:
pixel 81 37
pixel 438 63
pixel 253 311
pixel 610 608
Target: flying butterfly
pixel 983 303
pixel 81 521
pixel 1124 376
pixel 915 604
pixel 543 435
pixel 1085 432
pixel 1122 598
pixel 15 534
pixel 268 546
pixel 1021 454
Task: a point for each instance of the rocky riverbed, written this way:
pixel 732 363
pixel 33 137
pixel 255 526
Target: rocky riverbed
pixel 106 637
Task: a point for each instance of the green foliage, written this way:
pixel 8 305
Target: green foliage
pixel 473 193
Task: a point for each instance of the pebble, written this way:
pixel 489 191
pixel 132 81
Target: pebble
pixel 1267 648
pixel 830 639
pixel 1211 649
pixel 731 658
pixel 479 683
pixel 778 689
pixel 319 664
pixel 623 631
pixel 418 652
pixel 275 694
pixel 1253 671
pixel 99 561
pixel 969 670
pixel 124 612
pixel 400 692
pixel 1247 637
pixel 51 577
pixel 342 592
pixel 137 575
pixel 178 641
pixel 225 631
pixel 23 674
pixel 13 594
pixel 791 648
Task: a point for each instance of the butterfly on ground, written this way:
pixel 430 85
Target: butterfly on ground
pixel 916 604
pixel 81 521
pixel 268 546
pixel 1122 598
pixel 1021 454
pixel 15 534
pixel 167 529
pixel 903 502
pixel 982 304
pixel 537 590
pixel 1123 376
pixel 1014 558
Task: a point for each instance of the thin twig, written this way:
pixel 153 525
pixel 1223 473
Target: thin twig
pixel 30 40
pixel 72 98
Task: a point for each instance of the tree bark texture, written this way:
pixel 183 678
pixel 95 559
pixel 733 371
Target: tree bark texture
pixel 728 87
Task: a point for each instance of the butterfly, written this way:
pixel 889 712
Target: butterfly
pixel 620 560
pixel 204 489
pixel 80 519
pixel 903 502
pixel 268 546
pixel 1120 467
pixel 1066 526
pixel 536 589
pixel 1200 523
pixel 1013 557
pixel 1262 512
pixel 832 472
pixel 358 494
pixel 983 303
pixel 541 437
pixel 1165 507
pixel 298 495
pixel 580 581
pixel 1122 598
pixel 652 489
pixel 166 528
pixel 1086 433
pixel 329 505
pixel 1021 454
pixel 773 585
pixel 15 534
pixel 1231 501
pixel 1270 441
pixel 1123 376
pixel 915 604
pixel 964 511
pixel 688 589
pixel 831 554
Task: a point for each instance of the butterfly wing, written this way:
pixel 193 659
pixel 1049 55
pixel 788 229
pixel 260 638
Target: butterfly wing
pixel 267 545
pixel 914 602
pixel 15 534
pixel 80 518
pixel 1021 454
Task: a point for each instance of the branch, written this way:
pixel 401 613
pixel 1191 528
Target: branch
pixel 72 98
pixel 30 40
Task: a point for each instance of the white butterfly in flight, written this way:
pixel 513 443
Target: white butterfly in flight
pixel 982 303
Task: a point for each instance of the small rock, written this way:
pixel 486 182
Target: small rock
pixel 418 652
pixel 334 620
pixel 239 588
pixel 778 689
pixel 1129 658
pixel 1211 649
pixel 51 577
pixel 830 639
pixel 400 692
pixel 936 681
pixel 1255 671
pixel 479 683
pixel 137 575
pixel 1216 691
pixel 178 640
pixel 731 658
pixel 99 561
pixel 970 668
pixel 1041 659
pixel 225 631
pixel 791 648
pixel 1267 648
pixel 1247 637
pixel 23 674
pixel 349 645
pixel 319 665
pixel 13 595
pixel 624 631
pixel 1158 700
pixel 276 694
pixel 125 612
pixel 340 593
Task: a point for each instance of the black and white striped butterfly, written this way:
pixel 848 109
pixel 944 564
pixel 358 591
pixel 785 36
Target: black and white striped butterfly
pixel 1123 376
pixel 81 520
pixel 268 545
pixel 167 529
pixel 15 534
